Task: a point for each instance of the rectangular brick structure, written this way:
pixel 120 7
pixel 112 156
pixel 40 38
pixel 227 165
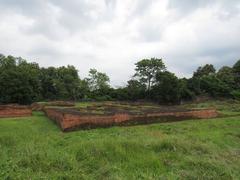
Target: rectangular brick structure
pixel 70 119
pixel 14 111
pixel 39 106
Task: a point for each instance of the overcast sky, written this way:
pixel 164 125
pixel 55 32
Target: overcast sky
pixel 112 35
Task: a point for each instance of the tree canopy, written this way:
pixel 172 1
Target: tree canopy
pixel 24 82
pixel 204 70
pixel 147 69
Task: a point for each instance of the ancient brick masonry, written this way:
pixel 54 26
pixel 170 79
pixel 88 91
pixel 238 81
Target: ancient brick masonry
pixel 38 106
pixel 69 120
pixel 14 111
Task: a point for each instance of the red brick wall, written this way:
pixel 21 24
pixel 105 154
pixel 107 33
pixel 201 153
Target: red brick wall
pixel 14 111
pixel 199 114
pixel 68 121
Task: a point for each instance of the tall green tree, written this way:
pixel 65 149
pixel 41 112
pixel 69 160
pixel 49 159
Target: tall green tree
pixel 208 69
pixel 226 75
pixel 166 89
pixel 19 81
pixel 69 79
pixel 214 87
pixel 60 83
pixel 147 69
pixel 135 89
pixel 49 83
pixel 97 80
pixel 186 94
pixel 236 71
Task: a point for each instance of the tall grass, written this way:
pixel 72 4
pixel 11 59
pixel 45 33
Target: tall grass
pixel 35 148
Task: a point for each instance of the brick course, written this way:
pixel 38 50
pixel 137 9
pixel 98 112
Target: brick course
pixel 72 120
pixel 14 111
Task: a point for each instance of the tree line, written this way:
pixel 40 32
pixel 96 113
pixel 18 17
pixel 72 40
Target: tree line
pixel 23 82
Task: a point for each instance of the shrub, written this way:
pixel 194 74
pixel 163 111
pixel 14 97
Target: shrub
pixel 236 94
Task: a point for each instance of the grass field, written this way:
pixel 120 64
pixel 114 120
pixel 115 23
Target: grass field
pixel 35 148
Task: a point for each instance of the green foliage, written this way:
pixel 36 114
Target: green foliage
pixel 194 85
pixel 226 75
pixel 120 94
pixel 208 69
pixel 214 87
pixel 136 90
pixel 147 69
pixel 60 83
pixel 236 94
pixel 185 93
pixel 236 67
pixel 22 82
pixel 236 70
pixel 220 84
pixel 18 81
pixel 166 89
pixel 98 85
pixel 97 80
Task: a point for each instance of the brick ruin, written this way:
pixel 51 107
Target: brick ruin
pixel 14 111
pixel 39 106
pixel 71 119
pixel 106 114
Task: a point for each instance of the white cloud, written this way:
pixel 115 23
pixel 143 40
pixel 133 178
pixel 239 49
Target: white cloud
pixel 111 35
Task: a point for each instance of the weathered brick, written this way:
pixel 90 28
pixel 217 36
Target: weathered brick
pixel 69 120
pixel 14 111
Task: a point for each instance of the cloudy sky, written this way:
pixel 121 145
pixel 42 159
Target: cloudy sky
pixel 112 35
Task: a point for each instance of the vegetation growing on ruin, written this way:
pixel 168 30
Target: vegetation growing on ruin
pixel 206 149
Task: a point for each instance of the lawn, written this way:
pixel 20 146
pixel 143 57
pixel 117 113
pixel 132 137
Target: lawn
pixel 35 148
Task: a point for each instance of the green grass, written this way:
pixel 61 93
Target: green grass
pixel 35 148
pixel 226 107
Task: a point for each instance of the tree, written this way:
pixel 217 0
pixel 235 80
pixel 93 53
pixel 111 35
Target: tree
pixel 120 93
pixel 31 73
pixel 69 79
pixel 185 92
pixel 226 75
pixel 136 90
pixel 18 81
pixel 60 83
pixel 147 69
pixel 193 85
pixel 204 71
pixel 166 89
pixel 49 83
pixel 83 90
pixel 214 86
pixel 236 71
pixel 97 80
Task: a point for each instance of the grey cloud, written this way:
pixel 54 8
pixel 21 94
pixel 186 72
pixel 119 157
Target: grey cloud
pixel 26 7
pixel 113 34
pixel 142 6
pixel 229 8
pixel 187 6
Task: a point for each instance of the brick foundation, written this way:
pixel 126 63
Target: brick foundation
pixel 70 120
pixel 14 111
pixel 40 106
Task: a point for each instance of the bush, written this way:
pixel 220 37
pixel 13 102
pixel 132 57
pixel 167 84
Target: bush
pixel 103 98
pixel 166 90
pixel 236 94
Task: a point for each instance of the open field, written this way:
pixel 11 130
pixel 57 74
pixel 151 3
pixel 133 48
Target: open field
pixel 35 148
